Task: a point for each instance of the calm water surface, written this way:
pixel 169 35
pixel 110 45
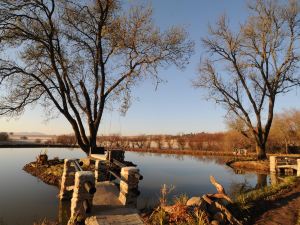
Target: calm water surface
pixel 24 199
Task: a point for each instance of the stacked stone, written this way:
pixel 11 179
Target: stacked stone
pixel 274 178
pixel 81 195
pixel 116 154
pixel 298 167
pixel 273 162
pixel 129 186
pixel 100 170
pixel 67 180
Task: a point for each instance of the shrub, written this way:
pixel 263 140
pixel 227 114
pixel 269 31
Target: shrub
pixel 181 199
pixel 66 140
pixel 4 136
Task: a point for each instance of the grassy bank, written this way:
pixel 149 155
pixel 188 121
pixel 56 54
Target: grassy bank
pixel 247 207
pixel 50 173
pixel 253 203
pixel 249 164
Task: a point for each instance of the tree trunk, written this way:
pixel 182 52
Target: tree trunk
pixel 261 180
pixel 286 147
pixel 261 151
pixel 93 144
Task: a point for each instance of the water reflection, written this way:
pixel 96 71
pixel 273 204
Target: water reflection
pixel 64 212
pixel 261 180
pixel 189 174
pixel 237 188
pixel 34 200
pixel 23 198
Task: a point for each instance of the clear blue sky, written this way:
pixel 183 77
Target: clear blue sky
pixel 175 107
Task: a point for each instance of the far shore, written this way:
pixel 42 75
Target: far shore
pixel 249 155
pixel 14 144
pixel 188 152
pixel 34 145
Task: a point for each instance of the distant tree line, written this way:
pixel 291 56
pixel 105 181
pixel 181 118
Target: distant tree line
pixel 284 138
pixel 197 141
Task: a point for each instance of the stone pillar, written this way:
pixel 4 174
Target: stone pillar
pixel 86 161
pixel 116 154
pixel 273 164
pixel 81 197
pixel 274 179
pixel 129 186
pixel 67 180
pixel 100 169
pixel 298 167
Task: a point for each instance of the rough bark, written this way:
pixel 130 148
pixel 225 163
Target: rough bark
pixel 261 151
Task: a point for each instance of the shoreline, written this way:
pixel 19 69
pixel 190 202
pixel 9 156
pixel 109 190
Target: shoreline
pixel 188 152
pixel 250 165
pixel 272 203
pixel 49 173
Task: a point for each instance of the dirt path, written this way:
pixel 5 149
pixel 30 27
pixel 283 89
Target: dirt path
pixel 284 210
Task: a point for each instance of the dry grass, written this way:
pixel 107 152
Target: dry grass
pixel 246 201
pixel 199 218
pixel 160 217
pixel 251 164
pixel 181 199
pixel 164 192
pixel 45 222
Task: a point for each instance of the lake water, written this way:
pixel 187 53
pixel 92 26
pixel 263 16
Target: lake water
pixel 24 199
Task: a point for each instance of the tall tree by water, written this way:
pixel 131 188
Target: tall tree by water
pixel 77 57
pixel 246 70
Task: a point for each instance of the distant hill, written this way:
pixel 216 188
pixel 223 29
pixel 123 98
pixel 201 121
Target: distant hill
pixel 29 134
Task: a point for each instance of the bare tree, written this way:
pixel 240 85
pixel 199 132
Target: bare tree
pixel 79 56
pixel 286 128
pixel 181 141
pixel 169 141
pixel 246 70
pixel 159 140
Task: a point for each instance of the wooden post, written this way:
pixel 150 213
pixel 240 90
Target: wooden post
pixel 67 180
pixel 273 164
pixel 82 199
pixel 298 167
pixel 129 186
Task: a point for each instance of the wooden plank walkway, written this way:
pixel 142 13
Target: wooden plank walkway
pixel 108 210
